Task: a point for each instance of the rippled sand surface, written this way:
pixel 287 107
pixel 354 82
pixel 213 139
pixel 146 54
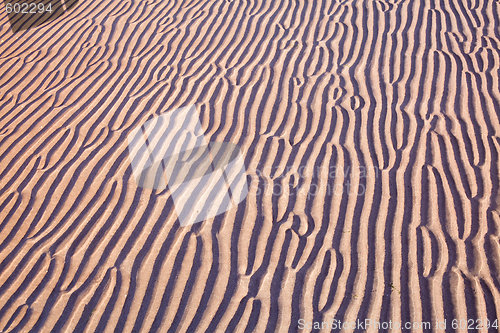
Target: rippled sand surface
pixel 370 133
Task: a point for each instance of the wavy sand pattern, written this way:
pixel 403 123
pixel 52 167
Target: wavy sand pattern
pixel 401 99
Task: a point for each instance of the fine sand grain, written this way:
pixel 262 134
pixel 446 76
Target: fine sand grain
pixel 370 132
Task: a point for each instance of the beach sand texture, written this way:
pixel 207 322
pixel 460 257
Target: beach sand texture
pixel 370 132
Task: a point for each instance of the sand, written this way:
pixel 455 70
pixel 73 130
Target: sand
pixel 370 133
